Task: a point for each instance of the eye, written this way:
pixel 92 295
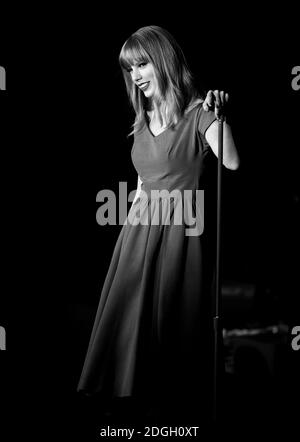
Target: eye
pixel 143 64
pixel 129 70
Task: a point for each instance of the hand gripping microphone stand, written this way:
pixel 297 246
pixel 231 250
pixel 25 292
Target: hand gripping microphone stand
pixel 216 319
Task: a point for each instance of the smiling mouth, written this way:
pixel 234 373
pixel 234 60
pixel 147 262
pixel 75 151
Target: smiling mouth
pixel 144 86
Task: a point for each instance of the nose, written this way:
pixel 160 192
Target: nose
pixel 135 74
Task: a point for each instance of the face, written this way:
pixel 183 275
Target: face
pixel 143 75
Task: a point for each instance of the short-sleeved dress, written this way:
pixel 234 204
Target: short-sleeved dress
pixel 152 333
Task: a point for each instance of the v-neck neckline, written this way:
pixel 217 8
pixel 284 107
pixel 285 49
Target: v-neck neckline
pixel 150 131
pixel 152 134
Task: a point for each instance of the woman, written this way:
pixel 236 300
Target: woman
pixel 152 336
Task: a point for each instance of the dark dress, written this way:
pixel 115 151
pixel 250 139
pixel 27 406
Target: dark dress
pixel 152 335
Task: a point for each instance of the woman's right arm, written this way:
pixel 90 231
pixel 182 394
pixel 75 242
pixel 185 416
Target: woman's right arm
pixel 138 190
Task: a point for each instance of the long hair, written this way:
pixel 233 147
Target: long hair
pixel 155 45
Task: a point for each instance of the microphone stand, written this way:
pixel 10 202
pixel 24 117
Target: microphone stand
pixel 216 319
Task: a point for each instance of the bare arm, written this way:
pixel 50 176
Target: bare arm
pixel 230 155
pixel 217 100
pixel 138 190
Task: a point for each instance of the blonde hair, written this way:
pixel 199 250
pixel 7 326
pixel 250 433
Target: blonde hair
pixel 155 45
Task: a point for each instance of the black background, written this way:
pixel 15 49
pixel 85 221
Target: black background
pixel 65 119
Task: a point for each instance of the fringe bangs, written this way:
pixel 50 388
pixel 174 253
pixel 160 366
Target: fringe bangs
pixel 133 53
